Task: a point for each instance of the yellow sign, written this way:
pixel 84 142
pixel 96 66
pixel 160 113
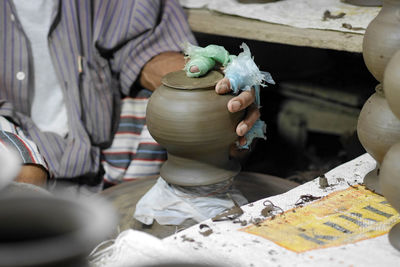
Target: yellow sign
pixel 342 217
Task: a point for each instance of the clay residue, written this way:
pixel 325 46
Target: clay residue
pixel 350 27
pixel 187 239
pixel 323 182
pixel 242 222
pixel 306 198
pixel 205 230
pixel 328 15
pixel 270 208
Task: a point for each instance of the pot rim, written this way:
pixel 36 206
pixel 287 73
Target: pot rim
pixel 179 80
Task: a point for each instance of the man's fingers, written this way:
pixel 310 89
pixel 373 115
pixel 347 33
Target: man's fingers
pixel 223 86
pixel 253 114
pixel 241 101
pixel 242 140
pixel 194 69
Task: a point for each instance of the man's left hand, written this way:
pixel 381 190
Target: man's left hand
pixel 244 100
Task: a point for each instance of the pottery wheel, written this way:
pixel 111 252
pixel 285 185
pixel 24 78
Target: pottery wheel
pixel 254 186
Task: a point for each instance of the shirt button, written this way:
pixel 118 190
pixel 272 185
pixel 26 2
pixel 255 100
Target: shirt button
pixel 20 75
pixel 12 17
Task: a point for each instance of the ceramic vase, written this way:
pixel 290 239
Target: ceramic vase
pixel 392 83
pixel 378 129
pixel 188 118
pixel 390 184
pixel 382 38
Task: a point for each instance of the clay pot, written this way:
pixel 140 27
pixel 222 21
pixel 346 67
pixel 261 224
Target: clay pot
pixel 390 185
pixel 382 38
pixel 378 129
pixel 187 117
pixel 392 83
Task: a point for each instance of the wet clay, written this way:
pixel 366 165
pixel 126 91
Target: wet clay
pixel 188 118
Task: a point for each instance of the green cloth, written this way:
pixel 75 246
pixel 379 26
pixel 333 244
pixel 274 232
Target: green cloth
pixel 205 58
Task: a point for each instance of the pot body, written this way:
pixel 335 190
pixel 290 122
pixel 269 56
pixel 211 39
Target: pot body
pixel 389 176
pixel 377 128
pixel 193 123
pixel 382 38
pixel 392 83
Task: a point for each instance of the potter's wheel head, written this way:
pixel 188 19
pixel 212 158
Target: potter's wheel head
pixel 179 80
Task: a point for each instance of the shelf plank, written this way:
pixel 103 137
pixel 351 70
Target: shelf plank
pixel 205 21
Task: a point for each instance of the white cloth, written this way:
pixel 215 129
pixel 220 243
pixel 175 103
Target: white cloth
pixel 135 248
pixel 48 107
pixel 170 206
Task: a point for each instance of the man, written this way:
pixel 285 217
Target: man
pixel 66 67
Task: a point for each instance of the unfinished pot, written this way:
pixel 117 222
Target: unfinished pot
pixel 378 129
pixel 392 83
pixel 187 117
pixel 390 185
pixel 382 38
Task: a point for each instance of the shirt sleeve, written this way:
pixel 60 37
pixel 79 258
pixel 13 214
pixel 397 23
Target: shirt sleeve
pixel 138 31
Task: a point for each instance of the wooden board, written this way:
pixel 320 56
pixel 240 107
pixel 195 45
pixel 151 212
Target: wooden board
pixel 205 21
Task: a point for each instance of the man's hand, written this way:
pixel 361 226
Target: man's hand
pixel 158 66
pixel 32 174
pixel 242 101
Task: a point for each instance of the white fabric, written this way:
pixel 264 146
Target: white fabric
pixel 170 206
pixel 296 13
pixel 135 248
pixel 48 107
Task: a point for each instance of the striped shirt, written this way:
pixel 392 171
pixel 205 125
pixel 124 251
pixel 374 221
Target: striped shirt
pixel 98 48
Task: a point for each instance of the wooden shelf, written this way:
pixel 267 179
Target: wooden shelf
pixel 205 21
